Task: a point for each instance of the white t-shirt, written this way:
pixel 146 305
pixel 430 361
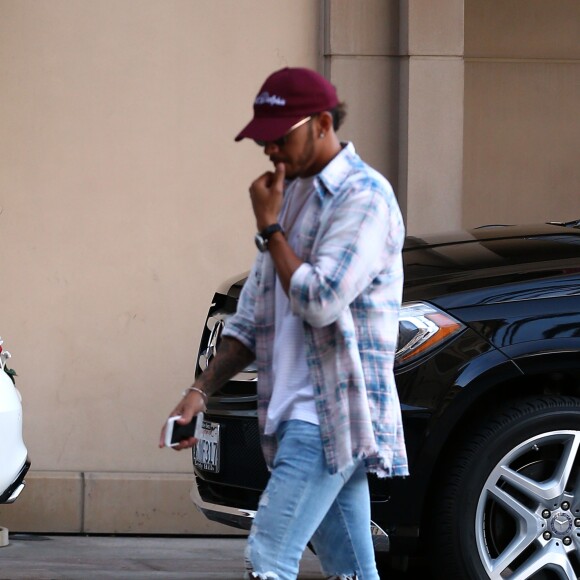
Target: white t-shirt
pixel 293 393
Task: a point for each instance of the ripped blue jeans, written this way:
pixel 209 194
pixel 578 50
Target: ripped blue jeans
pixel 303 502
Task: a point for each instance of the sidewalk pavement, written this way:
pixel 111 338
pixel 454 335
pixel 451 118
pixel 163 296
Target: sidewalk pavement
pixel 38 557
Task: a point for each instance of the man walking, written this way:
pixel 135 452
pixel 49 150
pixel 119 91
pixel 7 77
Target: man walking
pixel 319 314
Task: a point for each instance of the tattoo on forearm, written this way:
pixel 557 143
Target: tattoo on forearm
pixel 231 358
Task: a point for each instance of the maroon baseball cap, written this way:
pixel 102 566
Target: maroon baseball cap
pixel 287 96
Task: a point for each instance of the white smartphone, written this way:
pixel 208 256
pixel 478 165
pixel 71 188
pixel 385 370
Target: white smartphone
pixel 175 432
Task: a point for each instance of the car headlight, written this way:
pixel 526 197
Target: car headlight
pixel 423 328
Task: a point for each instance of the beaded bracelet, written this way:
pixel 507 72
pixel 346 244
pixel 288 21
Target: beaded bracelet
pixel 204 395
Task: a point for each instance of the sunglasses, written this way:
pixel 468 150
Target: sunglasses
pixel 284 139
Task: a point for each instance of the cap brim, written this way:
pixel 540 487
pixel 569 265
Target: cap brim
pixel 267 128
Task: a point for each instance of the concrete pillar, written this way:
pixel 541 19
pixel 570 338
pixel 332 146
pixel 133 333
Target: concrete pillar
pixel 361 45
pixel 431 114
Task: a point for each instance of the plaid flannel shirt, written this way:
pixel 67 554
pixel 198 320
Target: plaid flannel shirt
pixel 348 294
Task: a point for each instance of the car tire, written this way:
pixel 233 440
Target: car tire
pixel 508 502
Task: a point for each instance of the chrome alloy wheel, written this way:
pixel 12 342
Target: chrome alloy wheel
pixel 528 515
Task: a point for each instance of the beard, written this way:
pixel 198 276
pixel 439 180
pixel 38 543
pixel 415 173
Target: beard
pixel 302 165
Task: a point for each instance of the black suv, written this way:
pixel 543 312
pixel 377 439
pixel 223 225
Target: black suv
pixel 488 373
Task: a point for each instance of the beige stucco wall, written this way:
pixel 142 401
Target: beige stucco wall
pixel 123 204
pixel 522 111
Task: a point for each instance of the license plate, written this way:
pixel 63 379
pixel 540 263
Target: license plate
pixel 206 453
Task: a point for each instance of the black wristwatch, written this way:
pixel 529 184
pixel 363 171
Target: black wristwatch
pixel 262 238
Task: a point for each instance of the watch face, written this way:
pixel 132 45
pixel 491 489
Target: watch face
pixel 261 243
pixel 262 237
